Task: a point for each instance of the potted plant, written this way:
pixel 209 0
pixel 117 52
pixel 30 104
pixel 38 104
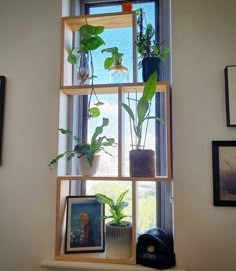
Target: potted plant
pixel 117 73
pixel 89 41
pixel 142 162
pixel 118 232
pixel 151 52
pixel 87 152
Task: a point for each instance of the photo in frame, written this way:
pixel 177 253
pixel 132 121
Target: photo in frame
pixel 224 173
pixel 84 225
pixel 230 94
pixel 2 98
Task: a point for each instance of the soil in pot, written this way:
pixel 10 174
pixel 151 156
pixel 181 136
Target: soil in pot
pixel 142 163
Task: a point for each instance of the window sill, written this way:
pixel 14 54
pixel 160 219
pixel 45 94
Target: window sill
pixel 50 264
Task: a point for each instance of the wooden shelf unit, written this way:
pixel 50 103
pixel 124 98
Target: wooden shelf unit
pixel 70 25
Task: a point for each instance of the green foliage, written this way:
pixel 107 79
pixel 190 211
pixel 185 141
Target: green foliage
pixel 89 41
pixel 97 144
pixel 143 108
pixel 115 59
pixel 116 208
pixel 145 40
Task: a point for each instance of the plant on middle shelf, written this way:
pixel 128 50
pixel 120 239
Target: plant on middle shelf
pixel 142 163
pixel 151 52
pixel 117 73
pixel 87 152
pixel 118 231
pixel 89 41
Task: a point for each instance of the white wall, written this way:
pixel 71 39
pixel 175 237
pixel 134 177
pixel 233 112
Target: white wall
pixel 29 58
pixel 204 42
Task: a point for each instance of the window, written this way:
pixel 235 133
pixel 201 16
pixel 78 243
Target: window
pixel 153 197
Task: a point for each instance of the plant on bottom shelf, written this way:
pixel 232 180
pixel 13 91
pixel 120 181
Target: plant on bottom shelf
pixel 89 41
pixel 141 159
pixel 86 150
pixel 118 231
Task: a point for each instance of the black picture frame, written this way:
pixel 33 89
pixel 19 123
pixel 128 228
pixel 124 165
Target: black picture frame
pixel 224 173
pixel 2 99
pixel 84 225
pixel 230 94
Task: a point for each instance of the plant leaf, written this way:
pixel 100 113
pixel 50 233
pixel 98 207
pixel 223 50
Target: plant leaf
pixel 142 109
pixel 65 132
pixel 128 110
pixel 104 199
pixel 108 62
pixel 150 87
pixel 120 198
pixel 94 112
pixel 72 58
pixel 92 43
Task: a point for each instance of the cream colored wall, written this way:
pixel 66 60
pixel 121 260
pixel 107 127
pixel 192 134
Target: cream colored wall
pixel 204 42
pixel 29 58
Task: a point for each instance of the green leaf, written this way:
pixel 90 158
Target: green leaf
pixel 92 43
pixel 72 58
pixel 150 87
pixel 142 109
pixel 155 118
pixel 88 29
pixel 120 198
pixel 93 112
pixel 128 110
pixel 108 62
pixel 104 199
pixel 65 132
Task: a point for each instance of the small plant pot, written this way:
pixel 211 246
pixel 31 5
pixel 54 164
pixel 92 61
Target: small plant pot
pixel 118 241
pixel 142 163
pixel 85 168
pixel 149 66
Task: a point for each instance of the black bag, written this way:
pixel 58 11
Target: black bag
pixel 155 249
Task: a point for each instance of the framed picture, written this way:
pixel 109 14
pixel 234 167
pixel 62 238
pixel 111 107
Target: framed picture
pixel 224 173
pixel 2 98
pixel 84 226
pixel 230 94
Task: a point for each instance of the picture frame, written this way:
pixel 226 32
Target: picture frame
pixel 84 225
pixel 230 94
pixel 2 99
pixel 224 173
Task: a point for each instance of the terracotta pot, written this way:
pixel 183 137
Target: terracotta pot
pixel 118 241
pixel 142 163
pixel 85 168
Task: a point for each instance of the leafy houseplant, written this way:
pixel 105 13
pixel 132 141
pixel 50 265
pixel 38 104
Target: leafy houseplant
pixel 117 72
pixel 138 117
pixel 118 232
pixel 89 41
pixel 151 52
pixel 86 150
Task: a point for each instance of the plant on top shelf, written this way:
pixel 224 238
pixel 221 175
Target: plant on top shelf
pixel 138 117
pixel 151 52
pixel 118 232
pixel 89 41
pixel 117 72
pixel 87 152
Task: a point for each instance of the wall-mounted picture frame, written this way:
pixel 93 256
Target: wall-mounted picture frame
pixel 84 225
pixel 230 94
pixel 224 173
pixel 2 99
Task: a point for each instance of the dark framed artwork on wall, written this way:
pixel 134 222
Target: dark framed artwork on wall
pixel 224 173
pixel 2 98
pixel 84 225
pixel 230 94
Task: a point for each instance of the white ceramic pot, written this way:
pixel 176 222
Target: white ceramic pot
pixel 118 241
pixel 85 168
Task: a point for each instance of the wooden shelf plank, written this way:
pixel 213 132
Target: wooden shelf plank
pixel 112 178
pixel 109 20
